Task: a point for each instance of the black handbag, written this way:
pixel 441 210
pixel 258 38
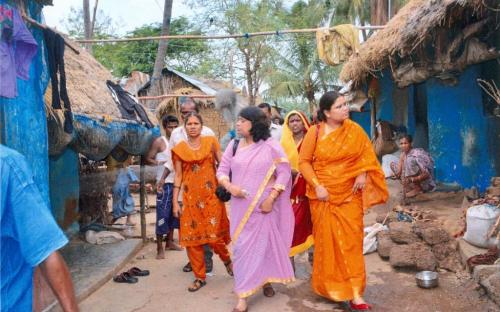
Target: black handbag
pixel 221 192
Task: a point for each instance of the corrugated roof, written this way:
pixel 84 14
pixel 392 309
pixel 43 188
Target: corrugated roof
pixel 199 84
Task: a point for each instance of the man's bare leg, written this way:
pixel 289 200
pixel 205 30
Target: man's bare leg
pixel 170 245
pixel 160 252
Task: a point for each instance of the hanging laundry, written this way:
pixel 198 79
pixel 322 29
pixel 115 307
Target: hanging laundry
pixel 55 55
pixel 127 104
pixel 337 44
pixel 17 49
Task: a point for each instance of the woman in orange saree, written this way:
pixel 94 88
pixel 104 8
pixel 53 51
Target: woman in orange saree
pixel 203 218
pixel 344 179
pixel 294 129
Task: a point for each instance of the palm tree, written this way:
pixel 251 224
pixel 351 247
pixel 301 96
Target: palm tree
pixel 295 70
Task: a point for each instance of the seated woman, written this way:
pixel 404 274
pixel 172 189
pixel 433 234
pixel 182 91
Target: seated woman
pixel 415 168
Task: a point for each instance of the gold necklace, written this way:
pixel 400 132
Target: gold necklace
pixel 193 145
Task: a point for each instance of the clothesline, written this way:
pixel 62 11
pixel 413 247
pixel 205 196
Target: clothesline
pixel 203 37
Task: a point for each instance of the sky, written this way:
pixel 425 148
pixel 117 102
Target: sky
pixel 129 14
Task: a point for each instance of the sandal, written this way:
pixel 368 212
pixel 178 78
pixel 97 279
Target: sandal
pixel 125 277
pixel 268 290
pixel 135 271
pixel 187 268
pixel 229 267
pixel 197 284
pixel 359 307
pixel 237 310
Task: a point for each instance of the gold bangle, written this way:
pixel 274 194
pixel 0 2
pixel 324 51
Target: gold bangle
pixel 177 186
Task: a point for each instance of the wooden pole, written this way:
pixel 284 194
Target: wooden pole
pixel 193 96
pixel 373 117
pixel 203 37
pixel 143 199
pixel 43 26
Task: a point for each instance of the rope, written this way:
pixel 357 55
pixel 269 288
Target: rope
pixel 203 37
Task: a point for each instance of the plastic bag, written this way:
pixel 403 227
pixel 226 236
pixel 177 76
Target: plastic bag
pixel 370 240
pixel 480 219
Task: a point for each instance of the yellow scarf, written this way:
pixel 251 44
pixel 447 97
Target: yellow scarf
pixel 287 141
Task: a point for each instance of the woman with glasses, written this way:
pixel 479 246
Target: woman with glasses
pixel 261 214
pixel 203 219
pixel 344 179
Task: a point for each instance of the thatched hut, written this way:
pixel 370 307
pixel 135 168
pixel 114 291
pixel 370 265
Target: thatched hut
pixel 79 182
pixel 421 74
pixel 175 82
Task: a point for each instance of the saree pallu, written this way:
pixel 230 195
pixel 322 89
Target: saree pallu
pixel 334 161
pixel 302 233
pixel 261 242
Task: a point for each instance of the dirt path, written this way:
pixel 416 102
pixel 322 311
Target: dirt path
pixel 388 290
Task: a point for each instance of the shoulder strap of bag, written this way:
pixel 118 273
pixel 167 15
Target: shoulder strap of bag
pixel 235 146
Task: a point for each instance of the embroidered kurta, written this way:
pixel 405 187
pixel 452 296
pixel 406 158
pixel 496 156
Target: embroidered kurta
pixel 334 161
pixel 204 218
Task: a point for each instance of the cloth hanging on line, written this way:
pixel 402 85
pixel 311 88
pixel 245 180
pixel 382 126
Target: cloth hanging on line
pixel 127 104
pixel 55 55
pixel 337 44
pixel 17 49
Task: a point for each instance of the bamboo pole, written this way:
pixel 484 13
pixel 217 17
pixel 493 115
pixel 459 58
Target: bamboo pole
pixel 203 37
pixel 142 199
pixel 43 26
pixel 156 97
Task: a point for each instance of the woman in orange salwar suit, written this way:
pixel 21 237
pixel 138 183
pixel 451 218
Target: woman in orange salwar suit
pixel 203 218
pixel 344 178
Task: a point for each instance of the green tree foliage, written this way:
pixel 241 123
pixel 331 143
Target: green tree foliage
pixel 296 71
pixel 125 57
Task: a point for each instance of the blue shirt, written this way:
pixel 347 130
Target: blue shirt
pixel 29 233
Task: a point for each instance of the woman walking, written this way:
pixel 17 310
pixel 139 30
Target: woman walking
pixel 294 129
pixel 344 179
pixel 203 218
pixel 261 214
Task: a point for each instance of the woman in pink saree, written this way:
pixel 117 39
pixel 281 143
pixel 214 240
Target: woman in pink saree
pixel 261 216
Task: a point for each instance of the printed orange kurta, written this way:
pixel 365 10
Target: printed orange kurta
pixel 204 218
pixel 334 161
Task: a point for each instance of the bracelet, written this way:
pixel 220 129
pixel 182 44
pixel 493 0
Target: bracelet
pixel 177 186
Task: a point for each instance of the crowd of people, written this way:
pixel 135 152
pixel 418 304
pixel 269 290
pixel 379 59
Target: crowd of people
pixel 290 187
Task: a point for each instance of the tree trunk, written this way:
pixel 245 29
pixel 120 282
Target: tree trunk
pixel 249 76
pixel 156 88
pixel 378 12
pixel 92 26
pixel 87 25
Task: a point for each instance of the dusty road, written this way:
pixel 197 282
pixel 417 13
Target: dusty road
pixel 388 290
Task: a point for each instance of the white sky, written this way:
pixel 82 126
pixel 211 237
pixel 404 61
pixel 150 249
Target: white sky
pixel 129 14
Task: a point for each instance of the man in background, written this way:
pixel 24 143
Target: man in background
pixel 274 128
pixel 159 155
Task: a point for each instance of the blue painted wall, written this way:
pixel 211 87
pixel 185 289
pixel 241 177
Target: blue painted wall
pixel 462 140
pixel 458 137
pixel 23 124
pixel 65 188
pixel 387 101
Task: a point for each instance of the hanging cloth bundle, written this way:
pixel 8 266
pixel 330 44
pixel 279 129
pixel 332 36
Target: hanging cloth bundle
pixel 337 44
pixel 127 104
pixel 55 55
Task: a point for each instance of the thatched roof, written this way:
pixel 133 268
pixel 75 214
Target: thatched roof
pixel 419 24
pixel 86 84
